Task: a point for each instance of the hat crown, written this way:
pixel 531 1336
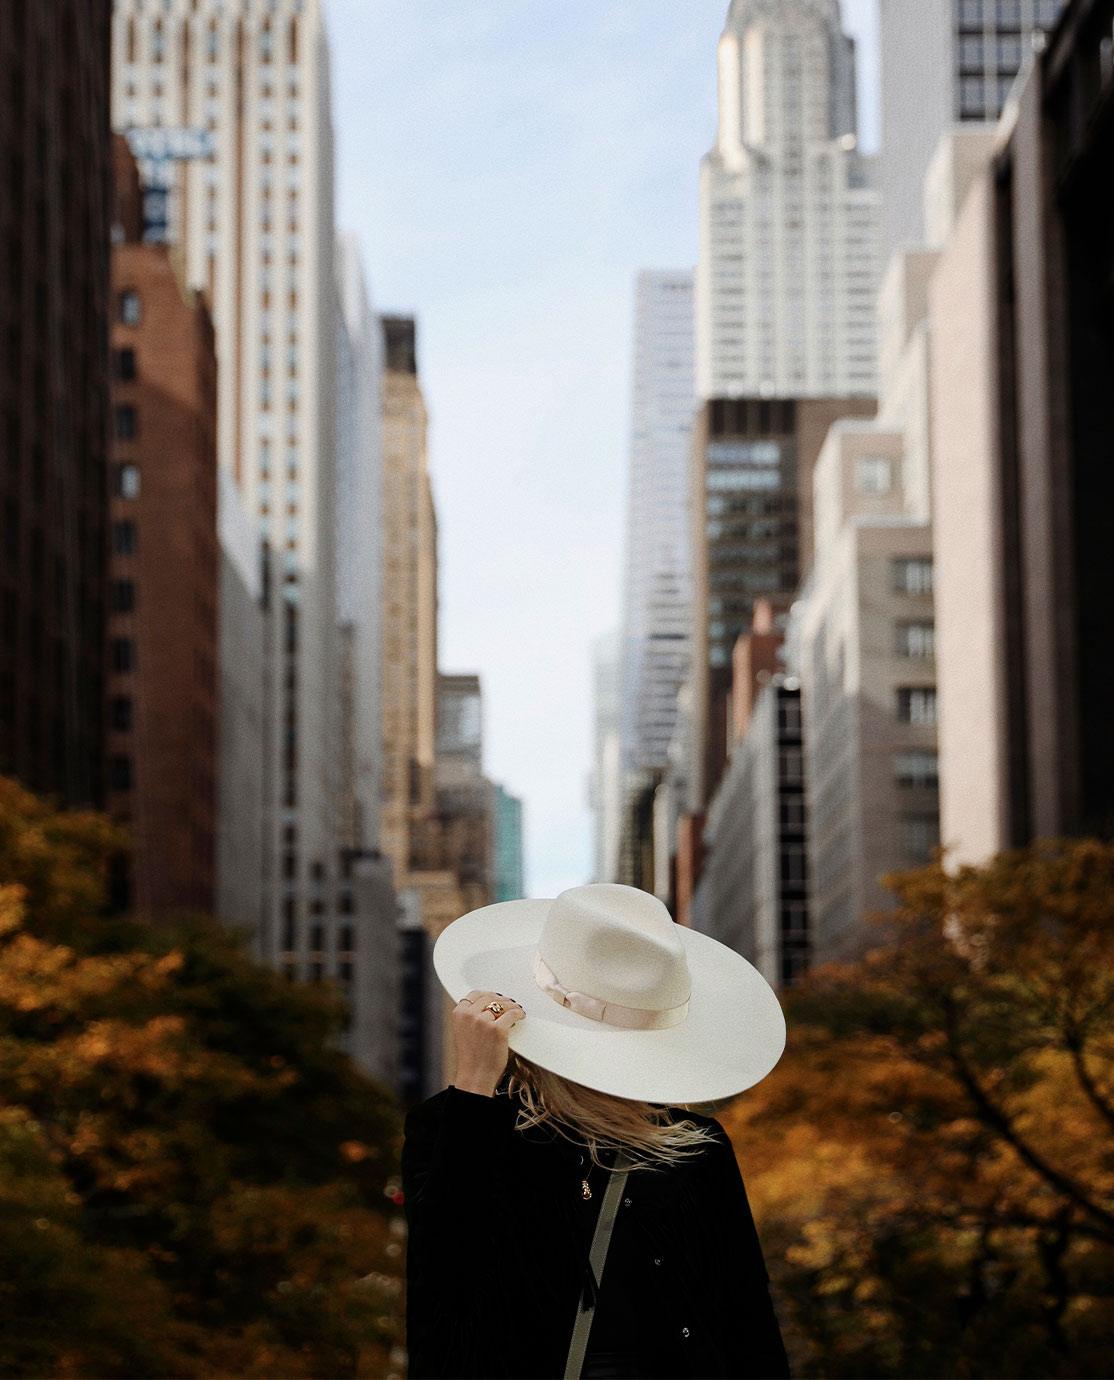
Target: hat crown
pixel 616 943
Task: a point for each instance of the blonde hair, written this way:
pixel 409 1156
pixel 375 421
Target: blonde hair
pixel 604 1121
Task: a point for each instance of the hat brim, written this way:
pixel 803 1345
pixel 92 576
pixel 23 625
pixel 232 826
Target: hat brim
pixel 732 1035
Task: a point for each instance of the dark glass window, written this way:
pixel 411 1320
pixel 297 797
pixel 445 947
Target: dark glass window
pixel 120 713
pixel 123 654
pixel 123 596
pixel 125 365
pixel 120 773
pixel 127 422
pixel 124 538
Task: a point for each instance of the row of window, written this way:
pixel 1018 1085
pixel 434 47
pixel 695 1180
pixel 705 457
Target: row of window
pixel 1007 14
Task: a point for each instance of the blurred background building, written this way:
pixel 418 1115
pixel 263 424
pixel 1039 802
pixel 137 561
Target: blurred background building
pixel 657 613
pixel 942 64
pixel 54 395
pixel 788 212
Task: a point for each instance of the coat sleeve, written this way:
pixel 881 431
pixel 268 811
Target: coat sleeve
pixel 750 1335
pixel 459 1230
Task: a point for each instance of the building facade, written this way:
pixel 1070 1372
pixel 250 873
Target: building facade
pixel 752 534
pixel 244 666
pixel 254 222
pixel 54 395
pixel 359 512
pixel 753 889
pixel 164 570
pixel 605 784
pixel 508 863
pixel 864 652
pixel 788 262
pixel 657 591
pixel 944 62
pixel 1025 594
pixel 409 606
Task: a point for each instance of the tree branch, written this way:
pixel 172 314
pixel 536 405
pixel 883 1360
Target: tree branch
pixel 996 1117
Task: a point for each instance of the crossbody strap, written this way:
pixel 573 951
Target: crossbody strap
pixel 609 1209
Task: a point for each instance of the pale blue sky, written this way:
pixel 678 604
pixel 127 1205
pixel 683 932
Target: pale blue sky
pixel 509 166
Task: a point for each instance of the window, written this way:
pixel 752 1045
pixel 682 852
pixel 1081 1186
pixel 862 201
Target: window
pixel 347 939
pixel 970 13
pixel 289 933
pixel 794 919
pixel 125 365
pixel 120 713
pixel 790 764
pixel 123 538
pixel 127 423
pixel 123 596
pixel 873 474
pixel 972 97
pixel 120 773
pixel 916 768
pixel 920 834
pixel 793 863
pixel 791 811
pixel 317 938
pixel 913 575
pixel 916 639
pixel 916 704
pixel 1009 14
pixel 127 481
pixel 1008 52
pixel 130 311
pixel 345 970
pixel 123 654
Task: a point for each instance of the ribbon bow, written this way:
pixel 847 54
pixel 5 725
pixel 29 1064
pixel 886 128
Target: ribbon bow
pixel 610 1012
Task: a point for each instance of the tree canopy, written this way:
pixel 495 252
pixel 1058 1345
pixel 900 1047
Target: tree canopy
pixel 932 1162
pixel 194 1180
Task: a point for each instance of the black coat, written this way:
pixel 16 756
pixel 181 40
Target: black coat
pixel 498 1240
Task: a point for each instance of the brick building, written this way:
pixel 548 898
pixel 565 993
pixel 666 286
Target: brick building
pixel 164 572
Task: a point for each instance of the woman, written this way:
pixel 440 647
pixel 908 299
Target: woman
pixel 598 1025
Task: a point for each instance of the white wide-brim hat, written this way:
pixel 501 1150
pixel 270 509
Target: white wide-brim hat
pixel 618 997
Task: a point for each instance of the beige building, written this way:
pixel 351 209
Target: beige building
pixel 413 835
pixel 863 632
pixel 1022 360
pixel 864 646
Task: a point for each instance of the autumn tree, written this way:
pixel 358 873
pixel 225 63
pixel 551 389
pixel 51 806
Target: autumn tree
pixel 194 1180
pixel 933 1161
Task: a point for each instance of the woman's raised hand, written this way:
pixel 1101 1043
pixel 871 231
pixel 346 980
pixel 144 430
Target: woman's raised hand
pixel 480 1038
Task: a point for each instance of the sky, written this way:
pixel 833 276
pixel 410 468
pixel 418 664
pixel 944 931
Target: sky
pixel 508 167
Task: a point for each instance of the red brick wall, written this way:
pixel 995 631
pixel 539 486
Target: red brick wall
pixel 170 747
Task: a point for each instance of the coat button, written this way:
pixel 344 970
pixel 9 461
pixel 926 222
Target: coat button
pixel 626 1202
pixel 657 1260
pixel 684 1332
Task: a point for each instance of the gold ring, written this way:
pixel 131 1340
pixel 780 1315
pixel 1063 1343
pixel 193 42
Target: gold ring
pixel 495 1006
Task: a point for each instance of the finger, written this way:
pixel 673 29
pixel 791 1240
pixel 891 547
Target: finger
pixel 511 1016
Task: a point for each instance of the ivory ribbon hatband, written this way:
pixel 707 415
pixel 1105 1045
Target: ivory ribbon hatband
pixel 610 1012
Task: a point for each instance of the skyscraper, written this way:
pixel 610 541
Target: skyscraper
pixel 359 515
pixel 245 88
pixel 605 783
pixel 54 380
pixel 943 61
pixel 657 596
pixel 788 216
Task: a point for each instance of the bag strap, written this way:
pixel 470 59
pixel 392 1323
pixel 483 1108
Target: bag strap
pixel 597 1257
